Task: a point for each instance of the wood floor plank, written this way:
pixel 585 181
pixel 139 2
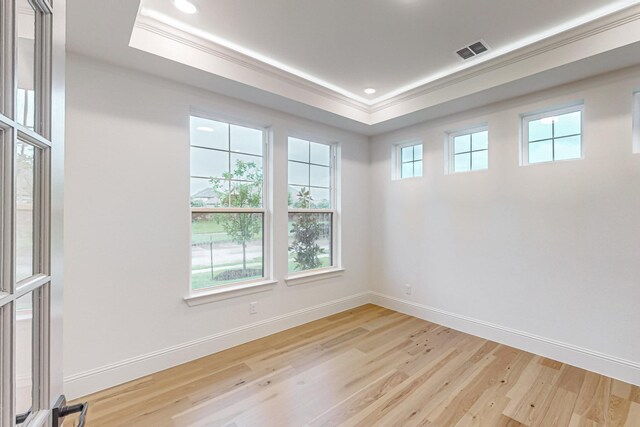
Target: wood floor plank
pixel 366 367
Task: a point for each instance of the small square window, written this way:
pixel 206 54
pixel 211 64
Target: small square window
pixel 468 150
pixel 409 161
pixel 551 136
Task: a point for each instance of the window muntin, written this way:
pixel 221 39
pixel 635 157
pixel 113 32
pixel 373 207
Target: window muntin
pixel 409 161
pixel 228 215
pixel 469 150
pixel 552 136
pixel 636 122
pixel 312 214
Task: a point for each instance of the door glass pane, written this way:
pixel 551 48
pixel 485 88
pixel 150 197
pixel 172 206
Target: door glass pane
pixel 25 158
pixel 25 63
pixel 24 354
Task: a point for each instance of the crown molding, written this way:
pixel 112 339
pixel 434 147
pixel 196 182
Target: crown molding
pixel 606 33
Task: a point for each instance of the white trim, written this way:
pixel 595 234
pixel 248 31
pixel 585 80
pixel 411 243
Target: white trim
pixel 602 30
pixel 636 122
pixel 93 380
pixel 525 118
pixel 225 292
pixel 313 276
pixel 612 366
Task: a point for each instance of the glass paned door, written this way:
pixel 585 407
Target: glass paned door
pixel 30 171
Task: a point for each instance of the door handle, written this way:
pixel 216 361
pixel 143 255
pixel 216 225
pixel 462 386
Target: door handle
pixel 61 410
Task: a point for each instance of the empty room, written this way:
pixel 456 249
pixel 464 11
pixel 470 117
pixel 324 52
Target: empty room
pixel 317 213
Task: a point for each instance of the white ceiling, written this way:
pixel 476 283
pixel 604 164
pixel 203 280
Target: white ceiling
pixel 341 46
pixel 390 45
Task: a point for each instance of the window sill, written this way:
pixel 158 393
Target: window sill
pixel 313 276
pixel 214 295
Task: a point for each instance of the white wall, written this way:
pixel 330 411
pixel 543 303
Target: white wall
pixel 127 225
pixel 545 257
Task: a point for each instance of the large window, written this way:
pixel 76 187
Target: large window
pixel 408 160
pixel 552 136
pixel 228 213
pixel 312 213
pixel 468 150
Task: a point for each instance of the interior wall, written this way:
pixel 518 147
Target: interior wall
pixel 544 257
pixel 127 225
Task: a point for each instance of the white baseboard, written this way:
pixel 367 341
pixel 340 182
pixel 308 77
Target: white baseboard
pixel 84 383
pixel 615 367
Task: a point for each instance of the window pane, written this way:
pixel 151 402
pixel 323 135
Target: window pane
pixel 568 124
pixel 25 62
pixel 246 140
pixel 462 162
pixel 296 196
pixel 407 154
pixel 320 198
pixel 209 163
pixel 244 194
pixel 247 167
pixel 462 143
pixel 226 248
pixel 25 160
pixel 540 129
pixel 417 152
pixel 540 152
pixel 299 173
pixel 202 193
pixel 310 241
pixel 320 176
pixel 480 140
pixel 567 148
pixel 480 160
pixel 24 354
pixel 209 133
pixel 407 170
pixel 298 150
pixel 417 168
pixel 320 154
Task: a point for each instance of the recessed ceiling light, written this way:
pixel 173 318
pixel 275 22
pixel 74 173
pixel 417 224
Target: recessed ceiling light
pixel 369 91
pixel 204 129
pixel 185 6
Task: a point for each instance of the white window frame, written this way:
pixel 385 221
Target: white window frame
pixel 558 111
pixel 396 173
pixel 245 287
pixel 335 269
pixel 636 122
pixel 449 150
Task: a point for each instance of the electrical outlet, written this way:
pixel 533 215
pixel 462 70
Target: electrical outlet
pixel 253 308
pixel 408 289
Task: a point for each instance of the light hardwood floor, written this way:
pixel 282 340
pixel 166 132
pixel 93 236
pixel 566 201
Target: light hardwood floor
pixel 369 367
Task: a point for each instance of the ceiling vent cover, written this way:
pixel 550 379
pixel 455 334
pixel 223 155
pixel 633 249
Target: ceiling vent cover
pixel 472 50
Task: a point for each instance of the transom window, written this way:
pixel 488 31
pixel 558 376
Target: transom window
pixel 469 150
pixel 552 136
pixel 312 213
pixel 228 217
pixel 409 160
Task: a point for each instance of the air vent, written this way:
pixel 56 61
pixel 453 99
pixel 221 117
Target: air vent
pixel 472 50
